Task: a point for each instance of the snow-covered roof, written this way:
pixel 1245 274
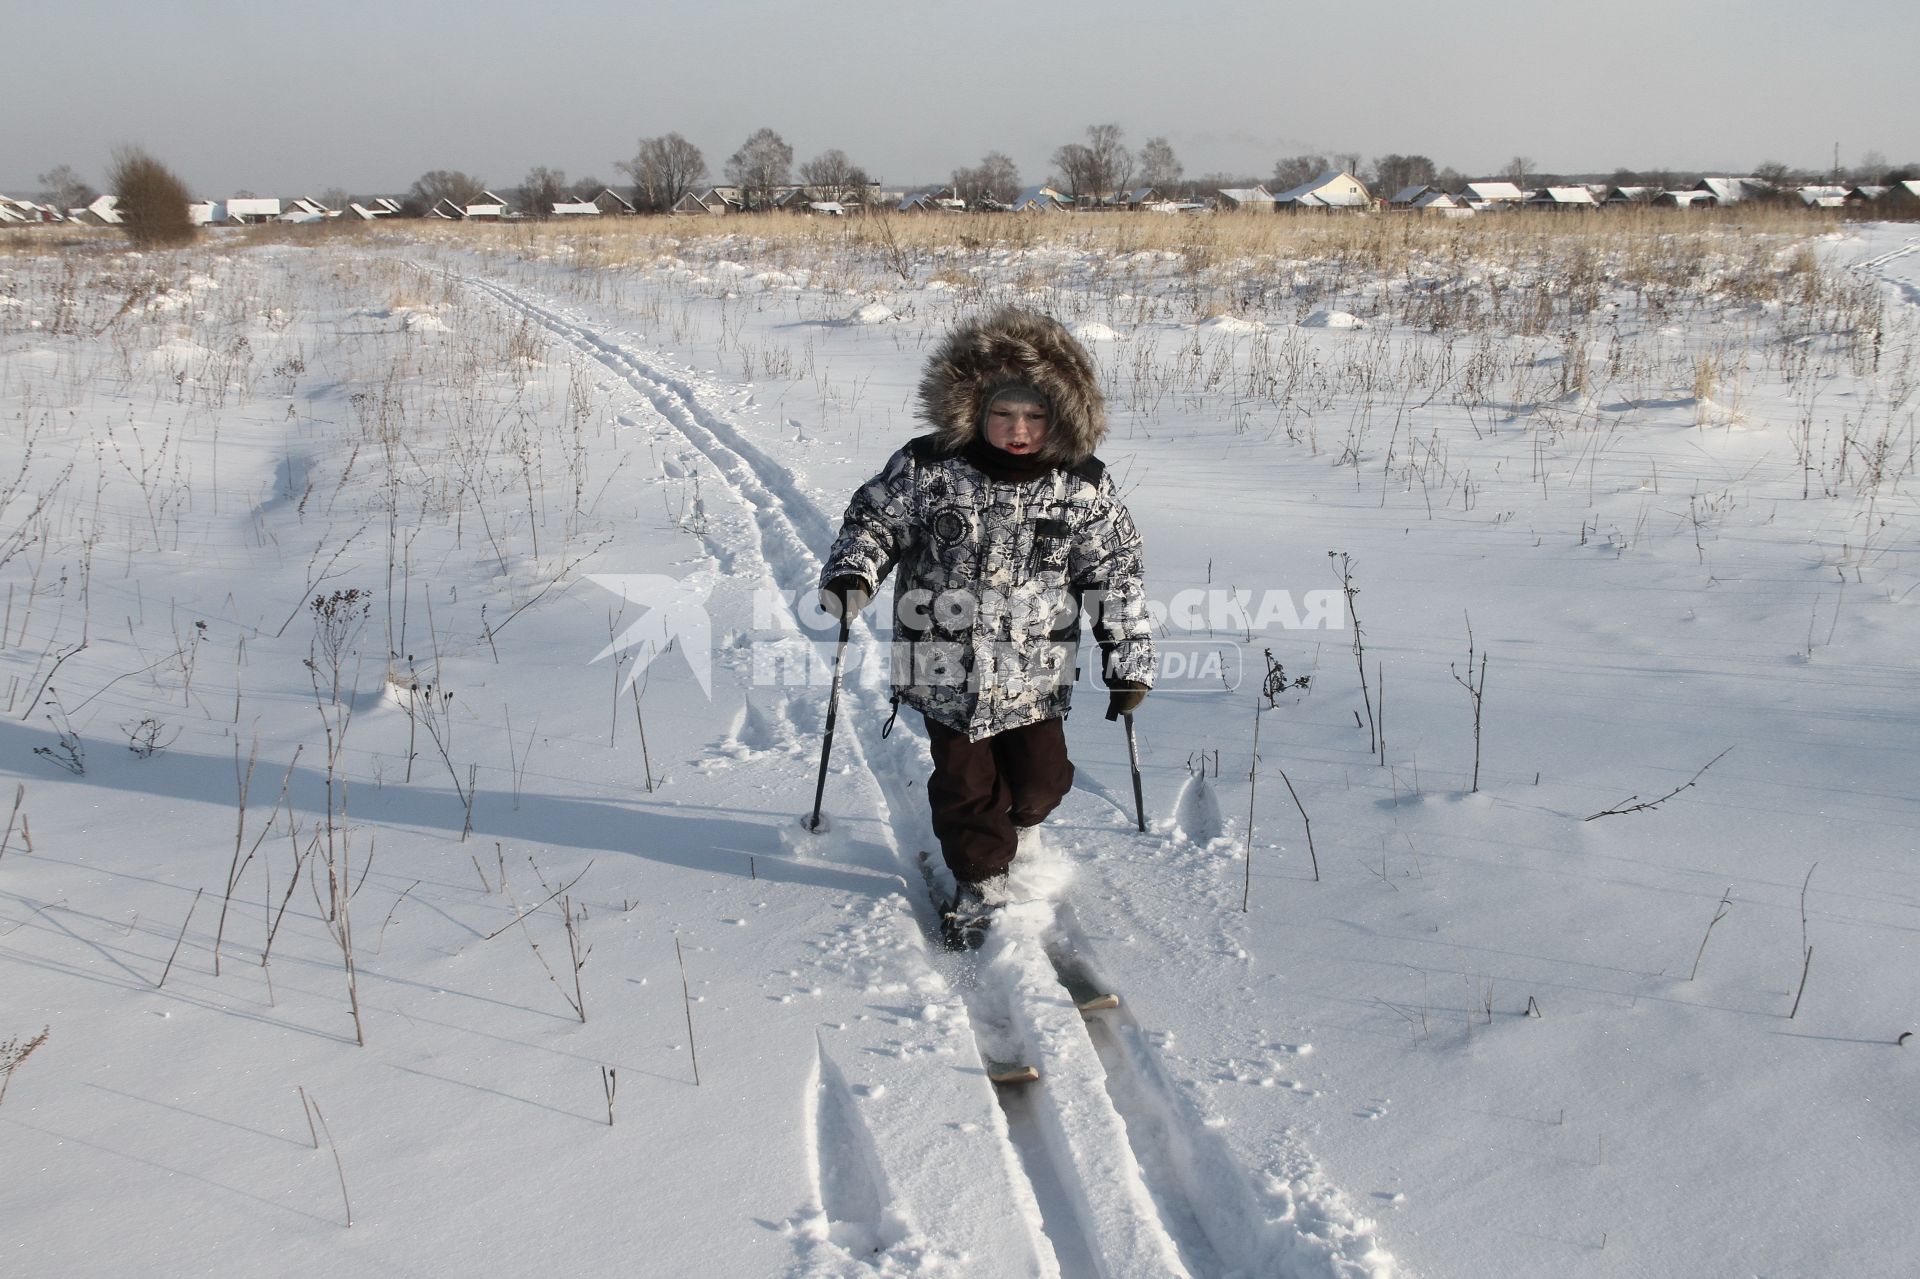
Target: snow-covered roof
pixel 1494 191
pixel 1334 189
pixel 575 209
pixel 1731 190
pixel 1908 190
pixel 1040 198
pixel 16 210
pixel 1436 200
pixel 828 208
pixel 1630 195
pixel 1563 197
pixel 1246 195
pixel 1822 197
pixel 1684 199
pixel 247 206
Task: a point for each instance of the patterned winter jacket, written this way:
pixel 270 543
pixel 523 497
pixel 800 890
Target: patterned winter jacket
pixel 993 576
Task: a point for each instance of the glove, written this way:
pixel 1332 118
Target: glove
pixel 843 597
pixel 1124 697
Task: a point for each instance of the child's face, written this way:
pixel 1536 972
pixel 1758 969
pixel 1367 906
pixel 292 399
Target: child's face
pixel 1017 426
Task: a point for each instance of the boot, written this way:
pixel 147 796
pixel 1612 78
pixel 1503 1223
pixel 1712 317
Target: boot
pixel 967 919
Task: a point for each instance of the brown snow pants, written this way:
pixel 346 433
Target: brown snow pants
pixel 983 792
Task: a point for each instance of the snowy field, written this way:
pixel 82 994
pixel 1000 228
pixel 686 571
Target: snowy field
pixel 380 921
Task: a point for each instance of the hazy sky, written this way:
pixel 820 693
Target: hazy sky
pixel 291 98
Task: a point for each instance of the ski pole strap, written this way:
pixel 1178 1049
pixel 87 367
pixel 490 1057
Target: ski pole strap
pixel 887 728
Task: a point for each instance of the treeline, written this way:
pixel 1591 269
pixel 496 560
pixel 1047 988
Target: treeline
pixel 664 169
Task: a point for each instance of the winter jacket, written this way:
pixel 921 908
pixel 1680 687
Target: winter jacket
pixel 994 574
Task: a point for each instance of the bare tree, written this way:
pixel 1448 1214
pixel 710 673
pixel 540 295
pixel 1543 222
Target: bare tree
pixel 1295 170
pixel 760 167
pixel 64 188
pixel 1159 167
pixel 1872 168
pixel 662 170
pixel 436 185
pixel 1393 172
pixel 1112 163
pixel 152 200
pixel 832 176
pixel 1097 168
pixel 1074 165
pixel 1221 180
pixel 994 180
pixel 542 189
pixel 1517 170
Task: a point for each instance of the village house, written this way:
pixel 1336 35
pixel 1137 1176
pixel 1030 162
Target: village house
pixel 26 211
pixel 1726 191
pixel 1484 196
pixel 104 211
pixel 1040 199
pixel 1822 197
pixel 714 201
pixel 1626 196
pixel 1441 205
pixel 1561 199
pixel 306 209
pixel 1685 200
pixel 486 205
pixel 612 204
pixel 1256 199
pixel 1333 189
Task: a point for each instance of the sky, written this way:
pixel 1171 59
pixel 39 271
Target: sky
pixel 366 95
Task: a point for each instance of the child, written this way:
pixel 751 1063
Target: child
pixel 1004 528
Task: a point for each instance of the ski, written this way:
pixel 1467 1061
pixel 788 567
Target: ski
pixel 1000 1073
pixel 1088 995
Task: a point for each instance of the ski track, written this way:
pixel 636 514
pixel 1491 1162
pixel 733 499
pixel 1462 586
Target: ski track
pixel 1124 1180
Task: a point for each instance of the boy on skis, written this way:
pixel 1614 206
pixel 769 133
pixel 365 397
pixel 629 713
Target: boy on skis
pixel 1003 528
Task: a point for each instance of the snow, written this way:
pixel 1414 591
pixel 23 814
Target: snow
pixel 1333 320
pixel 1231 324
pixel 1460 1033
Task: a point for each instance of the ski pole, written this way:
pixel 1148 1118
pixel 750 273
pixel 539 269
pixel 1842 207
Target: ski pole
pixel 833 710
pixel 1133 761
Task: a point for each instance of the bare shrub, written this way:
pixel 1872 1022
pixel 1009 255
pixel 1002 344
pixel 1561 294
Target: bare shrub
pixel 152 201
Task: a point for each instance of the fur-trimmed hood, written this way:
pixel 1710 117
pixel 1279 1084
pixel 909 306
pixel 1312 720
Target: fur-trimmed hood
pixel 1014 344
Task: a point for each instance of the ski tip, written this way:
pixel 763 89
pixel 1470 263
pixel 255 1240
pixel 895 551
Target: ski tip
pixel 1004 1073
